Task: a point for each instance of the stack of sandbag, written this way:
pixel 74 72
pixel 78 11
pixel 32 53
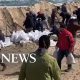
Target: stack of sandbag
pixel 19 36
pixel 22 37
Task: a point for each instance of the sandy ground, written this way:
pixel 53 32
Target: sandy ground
pixel 12 71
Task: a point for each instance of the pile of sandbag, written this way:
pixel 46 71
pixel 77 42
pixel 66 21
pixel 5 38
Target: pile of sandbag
pixel 19 36
pixel 22 37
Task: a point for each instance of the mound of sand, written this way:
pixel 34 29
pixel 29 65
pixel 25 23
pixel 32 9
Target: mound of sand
pixel 9 15
pixel 6 21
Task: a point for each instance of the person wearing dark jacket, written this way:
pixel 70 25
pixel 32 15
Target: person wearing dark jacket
pixel 54 30
pixel 2 38
pixel 39 24
pixel 64 14
pixel 41 15
pixel 65 44
pixel 45 67
pixel 30 21
pixel 73 27
pixel 77 12
pixel 53 15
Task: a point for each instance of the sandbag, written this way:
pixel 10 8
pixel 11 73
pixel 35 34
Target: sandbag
pixel 19 36
pixel 70 59
pixel 7 42
pixel 1 44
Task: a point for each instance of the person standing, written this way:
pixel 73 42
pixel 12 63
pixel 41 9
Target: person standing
pixel 65 44
pixel 77 12
pixel 30 21
pixel 2 39
pixel 64 14
pixel 53 15
pixel 73 27
pixel 39 24
pixel 45 67
pixel 41 15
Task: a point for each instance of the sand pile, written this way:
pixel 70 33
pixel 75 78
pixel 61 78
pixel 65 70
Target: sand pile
pixel 9 15
pixel 17 15
pixel 6 21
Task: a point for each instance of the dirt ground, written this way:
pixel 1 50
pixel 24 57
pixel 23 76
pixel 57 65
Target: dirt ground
pixel 12 71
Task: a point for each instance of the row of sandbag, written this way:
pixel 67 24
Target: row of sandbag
pixel 21 36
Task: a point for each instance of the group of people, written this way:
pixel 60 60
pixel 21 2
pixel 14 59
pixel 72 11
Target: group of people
pixel 65 14
pixel 35 22
pixel 46 67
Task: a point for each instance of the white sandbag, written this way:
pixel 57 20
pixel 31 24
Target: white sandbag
pixel 46 32
pixel 24 36
pixel 34 36
pixel 14 36
pixel 73 17
pixel 31 35
pixel 1 44
pixel 38 34
pixel 19 36
pixel 70 59
pixel 7 42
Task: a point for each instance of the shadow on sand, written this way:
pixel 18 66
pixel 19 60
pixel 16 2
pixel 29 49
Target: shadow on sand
pixel 12 74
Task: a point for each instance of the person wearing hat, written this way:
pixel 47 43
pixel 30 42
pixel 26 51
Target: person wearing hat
pixel 65 44
pixel 45 67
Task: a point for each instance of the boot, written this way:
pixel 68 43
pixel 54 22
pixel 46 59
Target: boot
pixel 4 66
pixel 69 68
